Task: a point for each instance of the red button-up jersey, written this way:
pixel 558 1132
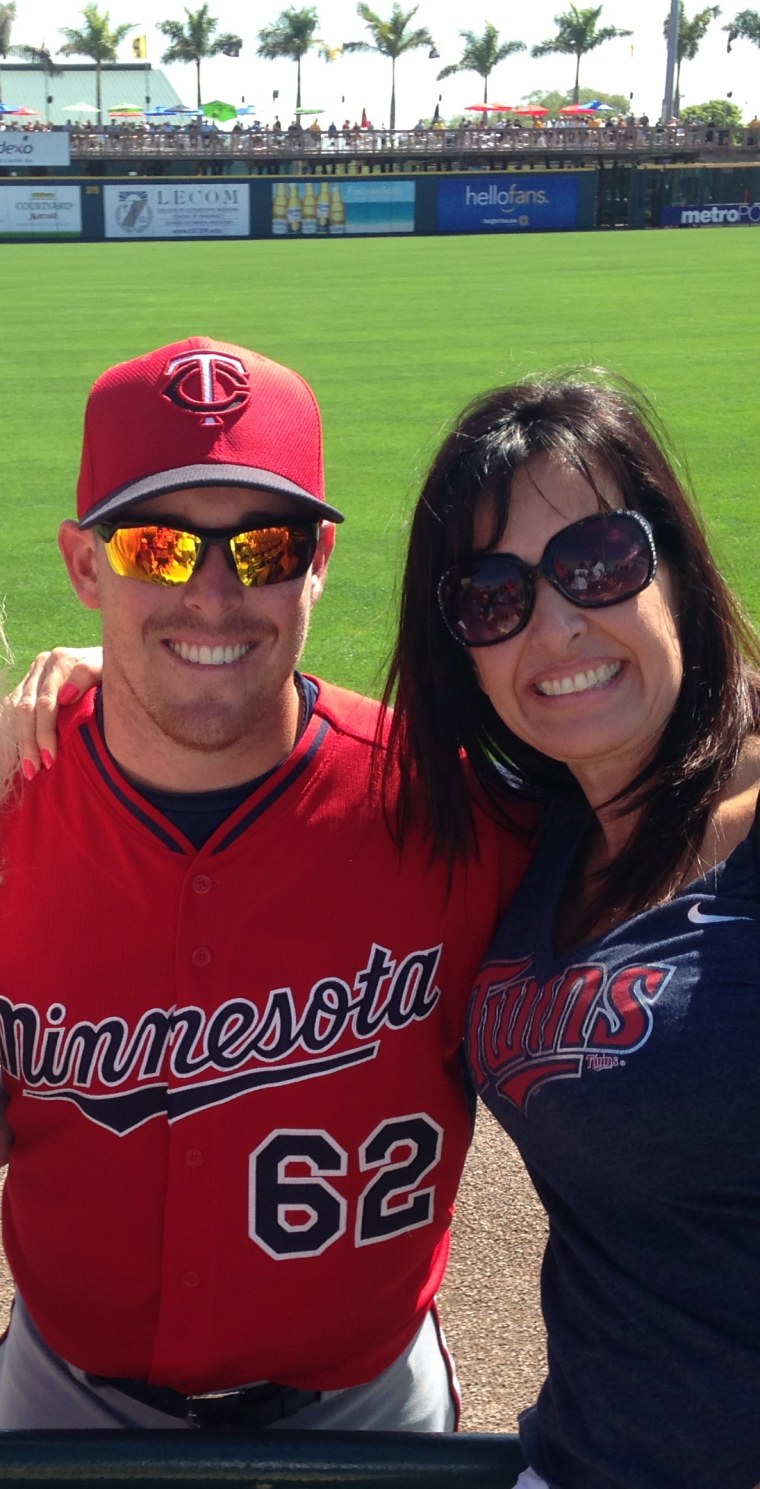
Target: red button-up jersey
pixel 234 1074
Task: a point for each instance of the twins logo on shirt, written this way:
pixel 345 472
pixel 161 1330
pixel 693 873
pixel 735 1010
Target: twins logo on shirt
pixel 524 1032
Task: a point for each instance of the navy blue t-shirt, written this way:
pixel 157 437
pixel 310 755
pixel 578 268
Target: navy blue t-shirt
pixel 627 1071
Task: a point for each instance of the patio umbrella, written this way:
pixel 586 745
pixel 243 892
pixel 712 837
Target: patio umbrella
pixel 531 111
pixel 248 108
pixel 6 108
pixel 219 111
pixel 125 108
pixel 478 108
pixel 578 108
pixel 28 113
pixel 309 111
pixel 501 108
pixel 80 108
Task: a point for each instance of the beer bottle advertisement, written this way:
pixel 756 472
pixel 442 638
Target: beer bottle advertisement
pixel 334 208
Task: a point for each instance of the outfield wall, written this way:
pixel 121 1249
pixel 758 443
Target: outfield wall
pixel 519 201
pixel 217 207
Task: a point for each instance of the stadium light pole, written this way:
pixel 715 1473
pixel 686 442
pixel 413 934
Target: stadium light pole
pixel 670 70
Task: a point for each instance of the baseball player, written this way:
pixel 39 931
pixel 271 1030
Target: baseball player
pixel 232 1058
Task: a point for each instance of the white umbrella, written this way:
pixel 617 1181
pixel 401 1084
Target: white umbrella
pixel 80 108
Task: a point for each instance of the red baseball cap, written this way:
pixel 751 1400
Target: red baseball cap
pixel 200 413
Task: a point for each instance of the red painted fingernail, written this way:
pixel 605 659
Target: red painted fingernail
pixel 29 770
pixel 68 693
pixel 46 758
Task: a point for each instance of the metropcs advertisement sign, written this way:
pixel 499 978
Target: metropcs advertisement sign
pixel 524 203
pixel 198 210
pixel 39 211
pixel 724 214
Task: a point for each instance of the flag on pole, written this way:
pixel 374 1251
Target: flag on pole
pixel 140 48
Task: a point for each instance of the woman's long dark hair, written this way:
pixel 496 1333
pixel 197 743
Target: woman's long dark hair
pixel 442 715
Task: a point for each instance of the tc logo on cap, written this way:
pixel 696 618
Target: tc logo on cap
pixel 207 383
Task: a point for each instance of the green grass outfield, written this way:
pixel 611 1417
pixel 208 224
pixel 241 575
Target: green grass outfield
pixel 395 337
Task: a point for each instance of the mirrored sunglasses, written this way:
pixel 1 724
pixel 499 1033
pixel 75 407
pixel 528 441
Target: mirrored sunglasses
pixel 599 561
pixel 171 555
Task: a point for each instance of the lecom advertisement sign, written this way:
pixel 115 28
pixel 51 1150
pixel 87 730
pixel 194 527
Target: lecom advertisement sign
pixel 198 209
pixel 40 211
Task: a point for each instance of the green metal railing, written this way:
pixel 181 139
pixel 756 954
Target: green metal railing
pixel 263 1460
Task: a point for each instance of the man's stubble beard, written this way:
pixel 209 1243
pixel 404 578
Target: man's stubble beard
pixel 207 729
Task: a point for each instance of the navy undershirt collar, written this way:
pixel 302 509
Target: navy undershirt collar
pixel 198 814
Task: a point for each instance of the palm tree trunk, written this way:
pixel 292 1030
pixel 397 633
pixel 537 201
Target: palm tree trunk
pixel 677 96
pixel 485 87
pixel 198 82
pixel 298 84
pixel 392 124
pixel 576 89
pixel 99 91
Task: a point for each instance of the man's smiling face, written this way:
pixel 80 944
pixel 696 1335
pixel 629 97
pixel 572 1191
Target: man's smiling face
pixel 198 676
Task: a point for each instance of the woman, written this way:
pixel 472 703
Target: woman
pixel 564 625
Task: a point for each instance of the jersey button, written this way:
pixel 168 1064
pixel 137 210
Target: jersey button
pixel 190 1279
pixel 201 884
pixel 193 1158
pixel 201 956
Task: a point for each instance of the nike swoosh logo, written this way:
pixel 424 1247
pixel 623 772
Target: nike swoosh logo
pixel 697 917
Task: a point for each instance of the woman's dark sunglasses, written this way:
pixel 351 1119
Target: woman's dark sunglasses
pixel 602 560
pixel 171 555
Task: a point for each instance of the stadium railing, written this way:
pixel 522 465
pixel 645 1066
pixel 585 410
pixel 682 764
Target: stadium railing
pixel 632 141
pixel 298 1460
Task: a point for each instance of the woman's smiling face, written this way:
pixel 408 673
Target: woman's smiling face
pixel 591 688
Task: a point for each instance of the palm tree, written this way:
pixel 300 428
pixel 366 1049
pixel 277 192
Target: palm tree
pixel 41 58
pixel 744 27
pixel 292 36
pixel 577 34
pixel 481 55
pixel 97 41
pixel 390 38
pixel 7 17
pixel 194 40
pixel 691 33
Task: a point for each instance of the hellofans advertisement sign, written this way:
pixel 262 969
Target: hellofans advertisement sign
pixel 508 204
pixel 40 211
